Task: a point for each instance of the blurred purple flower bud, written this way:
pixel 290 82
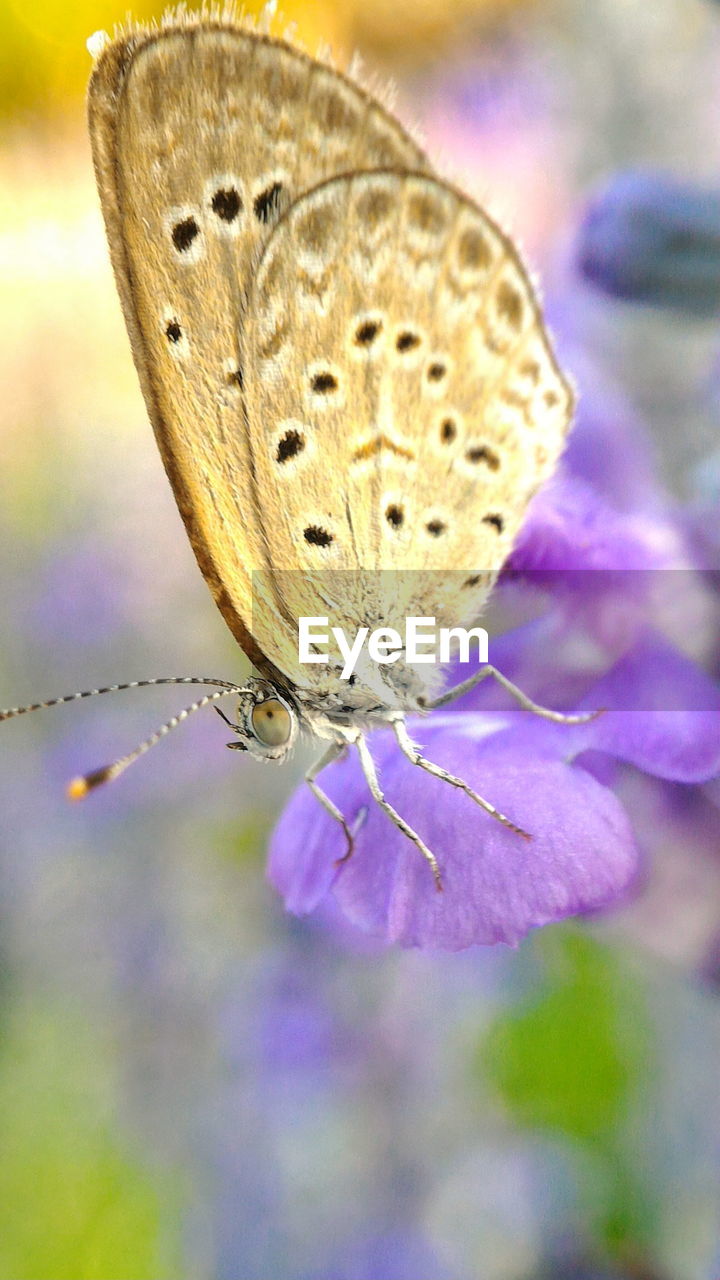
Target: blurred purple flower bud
pixel 394 1255
pixel 650 238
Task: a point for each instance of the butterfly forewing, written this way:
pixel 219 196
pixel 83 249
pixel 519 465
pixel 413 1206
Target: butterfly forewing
pixel 403 405
pixel 203 133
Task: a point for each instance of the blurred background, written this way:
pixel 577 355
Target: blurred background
pixel 192 1082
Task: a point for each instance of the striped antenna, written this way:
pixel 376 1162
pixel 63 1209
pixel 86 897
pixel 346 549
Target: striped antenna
pixel 10 712
pixel 81 786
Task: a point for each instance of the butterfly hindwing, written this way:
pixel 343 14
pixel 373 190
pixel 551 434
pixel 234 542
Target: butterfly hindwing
pixel 403 404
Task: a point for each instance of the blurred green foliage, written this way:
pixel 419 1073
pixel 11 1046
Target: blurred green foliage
pixel 571 1059
pixel 244 841
pixel 575 1059
pixel 75 1204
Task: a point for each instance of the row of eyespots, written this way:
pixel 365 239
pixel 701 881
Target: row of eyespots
pixel 475 254
pixel 406 340
pixel 395 516
pixel 324 382
pixel 227 205
pixel 318 537
pixel 476 453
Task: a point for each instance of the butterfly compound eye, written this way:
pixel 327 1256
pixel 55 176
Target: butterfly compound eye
pixel 271 723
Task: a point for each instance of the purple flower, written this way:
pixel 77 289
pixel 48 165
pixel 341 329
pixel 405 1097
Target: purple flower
pixel 593 649
pixel 496 885
pixel 610 570
pixel 582 855
pixel 571 528
pixel 650 238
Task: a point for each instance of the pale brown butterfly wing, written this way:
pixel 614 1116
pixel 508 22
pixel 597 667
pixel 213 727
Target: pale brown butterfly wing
pixel 403 402
pixel 202 132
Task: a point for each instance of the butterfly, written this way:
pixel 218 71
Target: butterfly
pixel 344 363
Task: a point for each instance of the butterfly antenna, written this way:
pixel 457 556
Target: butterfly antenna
pixel 81 786
pixel 10 712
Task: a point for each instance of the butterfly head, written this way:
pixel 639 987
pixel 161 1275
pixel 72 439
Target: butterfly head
pixel 267 724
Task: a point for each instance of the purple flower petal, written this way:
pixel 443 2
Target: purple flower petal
pixel 663 712
pixel 571 529
pixel 611 572
pixel 663 717
pixel 609 447
pixel 666 719
pixel 497 886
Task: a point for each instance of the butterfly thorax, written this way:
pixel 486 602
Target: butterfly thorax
pixel 373 696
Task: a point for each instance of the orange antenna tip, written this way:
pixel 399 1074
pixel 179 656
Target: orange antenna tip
pixel 79 787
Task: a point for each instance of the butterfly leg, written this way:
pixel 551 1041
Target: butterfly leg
pixel 559 717
pixel 408 749
pixel 368 768
pixel 334 752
